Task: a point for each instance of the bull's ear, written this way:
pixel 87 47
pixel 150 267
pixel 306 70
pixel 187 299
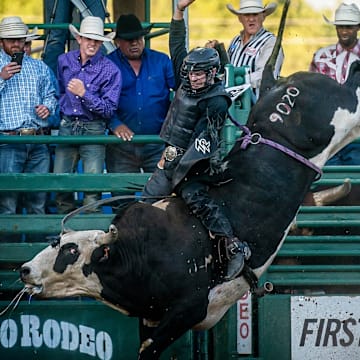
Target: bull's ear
pixel 109 237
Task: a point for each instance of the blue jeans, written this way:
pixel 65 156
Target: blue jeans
pixel 67 158
pixel 63 14
pixel 23 158
pixel 130 158
pixel 349 155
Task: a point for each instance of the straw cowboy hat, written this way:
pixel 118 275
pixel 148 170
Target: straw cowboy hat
pixel 13 27
pixel 129 27
pixel 252 7
pixel 92 27
pixel 345 14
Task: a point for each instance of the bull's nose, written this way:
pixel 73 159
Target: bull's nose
pixel 24 272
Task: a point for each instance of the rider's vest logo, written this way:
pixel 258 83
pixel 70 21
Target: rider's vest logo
pixel 202 145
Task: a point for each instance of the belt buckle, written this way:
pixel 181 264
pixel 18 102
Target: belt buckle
pixel 170 153
pixel 27 131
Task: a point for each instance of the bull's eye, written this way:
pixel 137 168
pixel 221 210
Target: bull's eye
pixel 68 255
pixel 70 249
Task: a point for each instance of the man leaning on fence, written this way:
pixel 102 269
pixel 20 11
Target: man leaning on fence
pixel 144 101
pixel 27 99
pixel 90 86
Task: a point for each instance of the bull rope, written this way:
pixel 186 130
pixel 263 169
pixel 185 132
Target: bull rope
pixel 256 138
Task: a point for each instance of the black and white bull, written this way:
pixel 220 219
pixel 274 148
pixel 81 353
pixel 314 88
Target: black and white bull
pixel 156 262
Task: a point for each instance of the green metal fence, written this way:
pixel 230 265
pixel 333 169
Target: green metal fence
pixel 83 328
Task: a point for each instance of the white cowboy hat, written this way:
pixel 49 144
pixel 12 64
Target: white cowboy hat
pixel 345 14
pixel 92 27
pixel 13 27
pixel 252 7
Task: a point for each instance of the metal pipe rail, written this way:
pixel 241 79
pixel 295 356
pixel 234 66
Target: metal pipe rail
pixel 109 26
pixel 50 223
pixel 83 139
pixel 320 246
pixel 314 275
pixel 125 183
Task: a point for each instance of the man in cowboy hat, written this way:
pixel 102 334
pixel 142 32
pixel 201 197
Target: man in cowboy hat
pixel 252 47
pixel 59 12
pixel 27 98
pixel 335 60
pixel 89 86
pixel 144 100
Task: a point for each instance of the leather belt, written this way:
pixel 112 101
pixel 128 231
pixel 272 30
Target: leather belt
pixel 23 132
pixel 172 152
pixel 75 118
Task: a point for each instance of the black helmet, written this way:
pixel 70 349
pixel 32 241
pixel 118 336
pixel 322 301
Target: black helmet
pixel 199 59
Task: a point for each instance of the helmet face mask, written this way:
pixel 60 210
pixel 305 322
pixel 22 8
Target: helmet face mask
pixel 199 59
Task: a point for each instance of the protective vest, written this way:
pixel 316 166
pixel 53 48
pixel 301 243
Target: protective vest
pixel 182 117
pixel 179 127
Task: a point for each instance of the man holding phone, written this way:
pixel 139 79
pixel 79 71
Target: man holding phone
pixel 27 98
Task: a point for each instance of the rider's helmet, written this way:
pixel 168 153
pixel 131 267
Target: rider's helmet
pixel 199 59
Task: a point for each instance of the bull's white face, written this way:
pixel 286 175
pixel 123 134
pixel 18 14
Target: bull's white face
pixel 57 271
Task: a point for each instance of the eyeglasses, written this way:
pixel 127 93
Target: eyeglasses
pixel 13 41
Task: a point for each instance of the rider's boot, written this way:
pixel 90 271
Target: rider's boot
pixel 237 252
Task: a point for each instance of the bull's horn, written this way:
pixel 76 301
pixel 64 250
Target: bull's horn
pixel 110 236
pixel 268 80
pixel 329 196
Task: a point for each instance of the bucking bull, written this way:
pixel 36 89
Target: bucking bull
pixel 156 262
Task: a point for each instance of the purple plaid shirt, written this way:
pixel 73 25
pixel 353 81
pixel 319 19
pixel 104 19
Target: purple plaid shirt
pixel 102 80
pixel 334 61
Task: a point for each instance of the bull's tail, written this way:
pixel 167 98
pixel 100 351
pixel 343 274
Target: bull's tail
pixel 268 80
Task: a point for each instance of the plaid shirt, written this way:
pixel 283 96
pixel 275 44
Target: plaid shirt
pixel 334 61
pixel 102 80
pixel 20 94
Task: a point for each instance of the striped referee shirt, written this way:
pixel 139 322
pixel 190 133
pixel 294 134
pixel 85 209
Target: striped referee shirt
pixel 255 54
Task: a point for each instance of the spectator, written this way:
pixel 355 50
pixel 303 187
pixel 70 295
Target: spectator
pixel 53 125
pixel 144 101
pixel 335 60
pixel 253 46
pixel 60 12
pixel 27 47
pixel 192 132
pixel 27 99
pixel 90 86
pixel 53 120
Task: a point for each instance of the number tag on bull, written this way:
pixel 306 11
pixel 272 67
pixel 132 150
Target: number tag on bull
pixel 285 107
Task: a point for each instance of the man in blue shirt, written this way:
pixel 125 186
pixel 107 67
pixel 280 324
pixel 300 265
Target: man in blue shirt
pixel 147 77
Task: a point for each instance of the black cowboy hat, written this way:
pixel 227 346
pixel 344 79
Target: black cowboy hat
pixel 129 27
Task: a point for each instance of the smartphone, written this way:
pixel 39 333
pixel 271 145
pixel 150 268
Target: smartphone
pixel 17 57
